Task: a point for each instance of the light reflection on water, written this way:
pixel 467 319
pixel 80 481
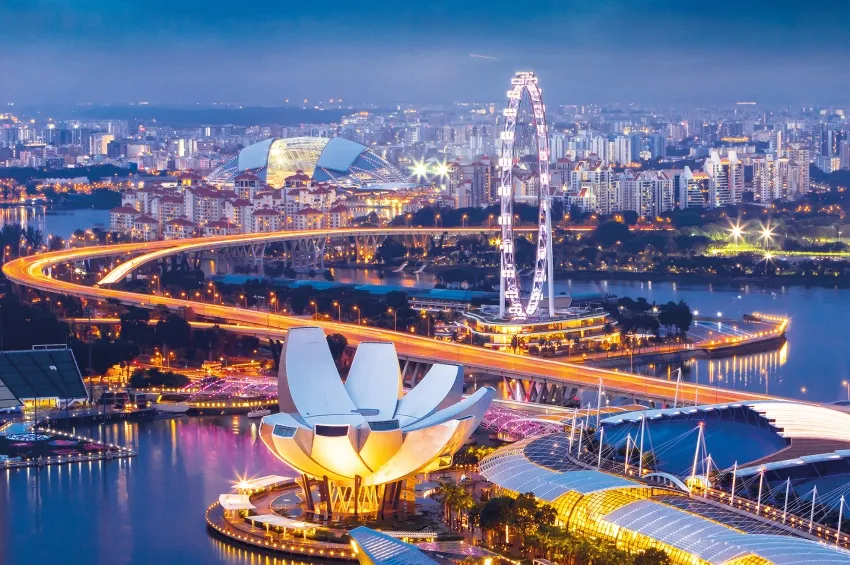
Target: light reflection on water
pixel 810 366
pixel 147 509
pixel 53 222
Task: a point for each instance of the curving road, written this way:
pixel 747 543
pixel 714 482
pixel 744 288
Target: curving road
pixel 33 272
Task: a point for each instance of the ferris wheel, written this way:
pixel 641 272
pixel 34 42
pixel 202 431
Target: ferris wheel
pixel 509 289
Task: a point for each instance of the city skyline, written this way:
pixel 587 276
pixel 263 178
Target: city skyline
pixel 262 53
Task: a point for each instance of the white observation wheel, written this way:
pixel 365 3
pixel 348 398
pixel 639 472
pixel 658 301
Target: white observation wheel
pixel 509 280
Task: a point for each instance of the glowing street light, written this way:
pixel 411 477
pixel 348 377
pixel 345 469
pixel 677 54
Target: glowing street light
pixel 846 384
pixel 766 234
pixel 420 170
pixel 736 232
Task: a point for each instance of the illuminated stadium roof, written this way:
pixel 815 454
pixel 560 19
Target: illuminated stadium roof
pixel 39 373
pixel 637 515
pixel 336 160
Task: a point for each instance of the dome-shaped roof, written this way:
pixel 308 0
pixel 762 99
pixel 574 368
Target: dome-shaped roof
pixel 336 160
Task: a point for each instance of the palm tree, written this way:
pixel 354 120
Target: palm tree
pixel 464 502
pixel 587 551
pixel 451 495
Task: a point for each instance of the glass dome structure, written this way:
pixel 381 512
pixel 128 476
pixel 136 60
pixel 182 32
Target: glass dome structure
pixel 337 160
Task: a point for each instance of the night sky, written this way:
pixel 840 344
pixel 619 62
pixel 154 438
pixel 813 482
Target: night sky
pixel 266 51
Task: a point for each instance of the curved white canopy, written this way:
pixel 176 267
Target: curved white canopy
pixel 366 428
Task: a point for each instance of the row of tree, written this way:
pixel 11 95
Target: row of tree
pixel 534 521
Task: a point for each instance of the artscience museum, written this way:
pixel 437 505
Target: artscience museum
pixel 358 442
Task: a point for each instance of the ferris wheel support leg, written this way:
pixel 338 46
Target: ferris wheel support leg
pixel 549 262
pixel 502 288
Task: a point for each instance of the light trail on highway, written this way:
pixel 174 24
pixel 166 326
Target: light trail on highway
pixel 32 271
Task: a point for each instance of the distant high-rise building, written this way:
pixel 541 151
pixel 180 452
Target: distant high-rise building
pixel 830 140
pixel 472 184
pixel 775 145
pixel 802 158
pixel 557 146
pixel 649 193
pixel 622 150
pixel 844 154
pixel 694 189
pixel 827 163
pixel 591 187
pixel 599 146
pixel 727 179
pixel 772 179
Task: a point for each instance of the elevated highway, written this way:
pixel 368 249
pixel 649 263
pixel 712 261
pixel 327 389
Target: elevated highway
pixel 185 246
pixel 526 375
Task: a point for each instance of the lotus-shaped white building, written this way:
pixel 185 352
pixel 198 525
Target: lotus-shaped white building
pixel 361 436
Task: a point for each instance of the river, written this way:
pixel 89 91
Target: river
pixel 54 221
pixel 147 509
pixel 811 365
pixel 150 509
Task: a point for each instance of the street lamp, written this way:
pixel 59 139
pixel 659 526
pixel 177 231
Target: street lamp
pixel 437 220
pixel 846 384
pixel 463 220
pixel 428 323
pixel 357 309
pixel 243 297
pixel 736 232
pixel 395 318
pixel 767 235
pixel 315 308
pixel 338 311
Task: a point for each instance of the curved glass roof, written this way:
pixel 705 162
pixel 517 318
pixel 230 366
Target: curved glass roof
pixel 637 516
pixel 325 159
pixel 382 549
pixel 793 420
pixel 716 543
pixel 513 471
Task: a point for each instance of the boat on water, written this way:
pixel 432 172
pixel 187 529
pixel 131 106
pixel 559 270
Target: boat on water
pixel 259 412
pixel 171 407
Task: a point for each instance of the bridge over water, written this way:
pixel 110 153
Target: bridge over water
pixel 528 378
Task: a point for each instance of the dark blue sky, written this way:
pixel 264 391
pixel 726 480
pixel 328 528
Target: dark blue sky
pixel 266 51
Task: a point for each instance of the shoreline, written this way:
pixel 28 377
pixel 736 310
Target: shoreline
pixel 560 275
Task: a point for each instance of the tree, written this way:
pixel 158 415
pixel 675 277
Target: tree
pixel 676 314
pixel 135 327
pixel 157 378
pixel 529 513
pixel 496 514
pixel 652 556
pixel 337 344
pixel 174 332
pixel 391 250
pixel 611 233
pixel 630 217
pixel 105 354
